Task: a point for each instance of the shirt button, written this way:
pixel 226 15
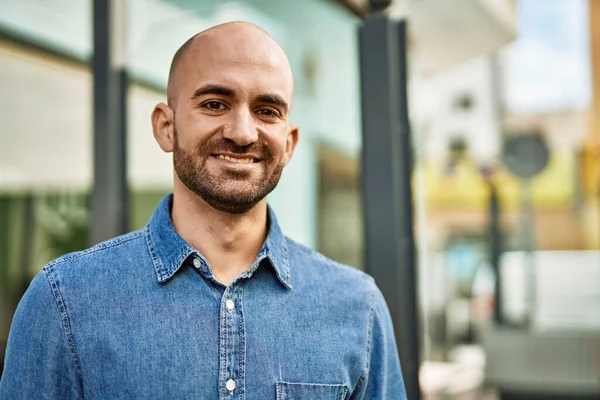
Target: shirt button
pixel 230 385
pixel 229 304
pixel 197 263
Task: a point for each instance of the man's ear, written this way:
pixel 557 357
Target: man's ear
pixel 163 127
pixel 291 141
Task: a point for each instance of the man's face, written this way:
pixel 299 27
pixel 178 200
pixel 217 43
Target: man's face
pixel 232 139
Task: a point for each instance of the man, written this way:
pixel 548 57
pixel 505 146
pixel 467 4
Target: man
pixel 210 300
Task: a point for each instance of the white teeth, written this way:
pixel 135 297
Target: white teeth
pixel 236 160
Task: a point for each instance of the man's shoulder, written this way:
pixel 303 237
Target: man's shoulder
pixel 127 246
pixel 322 265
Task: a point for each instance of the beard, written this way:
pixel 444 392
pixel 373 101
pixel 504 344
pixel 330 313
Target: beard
pixel 228 190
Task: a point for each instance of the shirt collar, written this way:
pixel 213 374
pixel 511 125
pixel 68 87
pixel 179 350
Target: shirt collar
pixel 169 251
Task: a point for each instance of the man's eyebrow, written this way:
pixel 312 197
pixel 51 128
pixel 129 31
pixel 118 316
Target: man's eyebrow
pixel 213 89
pixel 274 100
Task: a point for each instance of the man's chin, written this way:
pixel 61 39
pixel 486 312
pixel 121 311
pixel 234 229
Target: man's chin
pixel 232 206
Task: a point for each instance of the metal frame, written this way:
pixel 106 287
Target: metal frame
pixel 386 174
pixel 110 200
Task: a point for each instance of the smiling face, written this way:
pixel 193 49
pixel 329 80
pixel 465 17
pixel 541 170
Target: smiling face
pixel 227 122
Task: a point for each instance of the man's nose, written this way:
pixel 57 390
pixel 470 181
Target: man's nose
pixel 241 130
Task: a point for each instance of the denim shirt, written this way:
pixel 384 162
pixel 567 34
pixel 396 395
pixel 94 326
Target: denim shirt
pixel 142 316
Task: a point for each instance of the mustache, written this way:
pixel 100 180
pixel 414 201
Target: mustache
pixel 218 145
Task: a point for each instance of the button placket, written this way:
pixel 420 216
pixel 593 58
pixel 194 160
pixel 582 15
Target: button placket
pixel 232 345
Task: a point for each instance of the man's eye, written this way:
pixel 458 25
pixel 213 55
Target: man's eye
pixel 214 106
pixel 267 112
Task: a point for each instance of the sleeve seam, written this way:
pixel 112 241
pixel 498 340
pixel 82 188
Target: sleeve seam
pixel 64 317
pixel 367 367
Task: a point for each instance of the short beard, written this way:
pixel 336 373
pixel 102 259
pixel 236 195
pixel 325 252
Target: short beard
pixel 218 193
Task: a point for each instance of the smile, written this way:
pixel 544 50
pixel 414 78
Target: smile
pixel 236 159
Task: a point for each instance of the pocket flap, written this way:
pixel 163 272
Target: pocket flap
pixel 310 391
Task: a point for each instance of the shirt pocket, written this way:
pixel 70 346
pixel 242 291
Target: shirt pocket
pixel 310 391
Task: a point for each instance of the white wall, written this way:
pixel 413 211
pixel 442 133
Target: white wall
pixel 437 121
pixel 45 134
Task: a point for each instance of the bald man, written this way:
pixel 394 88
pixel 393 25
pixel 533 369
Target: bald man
pixel 210 300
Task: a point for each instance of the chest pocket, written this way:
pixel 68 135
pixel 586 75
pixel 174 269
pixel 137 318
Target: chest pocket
pixel 310 391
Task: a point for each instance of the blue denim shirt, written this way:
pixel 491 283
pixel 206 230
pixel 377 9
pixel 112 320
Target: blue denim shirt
pixel 142 316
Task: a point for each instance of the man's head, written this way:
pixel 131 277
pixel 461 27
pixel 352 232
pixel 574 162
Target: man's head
pixel 226 122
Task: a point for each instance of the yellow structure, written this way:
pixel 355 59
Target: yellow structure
pixel 591 150
pixel 464 189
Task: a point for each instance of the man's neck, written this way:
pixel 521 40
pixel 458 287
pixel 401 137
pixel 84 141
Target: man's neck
pixel 229 242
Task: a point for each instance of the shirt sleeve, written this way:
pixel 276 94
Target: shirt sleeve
pixel 382 378
pixel 39 362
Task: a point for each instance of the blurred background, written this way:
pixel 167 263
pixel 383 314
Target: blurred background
pixel 504 109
